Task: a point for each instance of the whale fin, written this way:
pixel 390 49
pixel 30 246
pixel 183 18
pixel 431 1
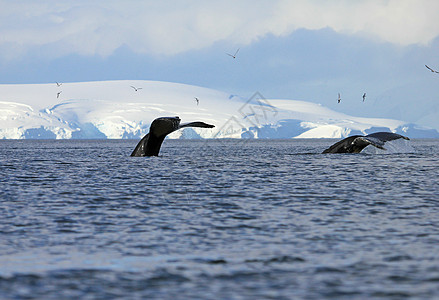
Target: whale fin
pixel 378 139
pixel 369 141
pixel 196 124
pixel 387 136
pixel 140 149
pixel 342 146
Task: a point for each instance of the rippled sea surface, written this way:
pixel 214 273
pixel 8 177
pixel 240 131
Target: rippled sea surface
pixel 267 219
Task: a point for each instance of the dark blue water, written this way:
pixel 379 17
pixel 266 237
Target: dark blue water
pixel 217 220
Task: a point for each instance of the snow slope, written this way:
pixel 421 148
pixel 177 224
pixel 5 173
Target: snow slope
pixel 113 109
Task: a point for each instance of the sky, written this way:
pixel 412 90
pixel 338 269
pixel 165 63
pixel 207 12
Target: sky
pixel 303 50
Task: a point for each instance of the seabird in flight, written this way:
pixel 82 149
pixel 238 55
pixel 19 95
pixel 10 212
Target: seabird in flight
pixel 136 89
pixel 234 55
pixel 431 69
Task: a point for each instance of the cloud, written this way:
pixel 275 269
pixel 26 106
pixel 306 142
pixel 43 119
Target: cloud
pixel 168 27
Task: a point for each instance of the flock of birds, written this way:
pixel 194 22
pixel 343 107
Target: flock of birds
pixel 59 93
pixel 364 95
pixel 197 100
pixel 151 143
pixel 136 89
pixel 339 97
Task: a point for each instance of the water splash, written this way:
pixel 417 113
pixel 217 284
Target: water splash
pixel 395 146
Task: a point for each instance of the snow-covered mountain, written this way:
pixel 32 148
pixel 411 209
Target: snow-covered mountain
pixel 114 109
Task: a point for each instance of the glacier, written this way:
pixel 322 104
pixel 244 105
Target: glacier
pixel 114 110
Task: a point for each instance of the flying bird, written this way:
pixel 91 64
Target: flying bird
pixel 58 84
pixel 339 98
pixel 364 97
pixel 433 71
pixel 136 89
pixel 150 144
pixel 197 100
pixel 234 55
pixel 57 94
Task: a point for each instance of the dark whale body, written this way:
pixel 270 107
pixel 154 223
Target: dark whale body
pixel 356 143
pixel 150 144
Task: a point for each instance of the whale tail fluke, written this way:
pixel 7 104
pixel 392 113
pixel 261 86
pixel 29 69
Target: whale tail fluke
pixel 196 124
pixel 150 144
pixel 387 136
pixel 356 143
pixel 370 141
pixel 141 147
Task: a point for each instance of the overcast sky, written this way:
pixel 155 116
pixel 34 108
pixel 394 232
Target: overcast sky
pixel 304 50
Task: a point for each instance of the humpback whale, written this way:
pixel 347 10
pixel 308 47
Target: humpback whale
pixel 150 144
pixel 356 143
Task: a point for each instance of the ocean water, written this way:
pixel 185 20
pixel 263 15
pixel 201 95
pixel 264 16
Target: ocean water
pixel 261 219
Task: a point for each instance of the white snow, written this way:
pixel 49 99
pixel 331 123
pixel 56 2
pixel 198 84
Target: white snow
pixel 113 109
